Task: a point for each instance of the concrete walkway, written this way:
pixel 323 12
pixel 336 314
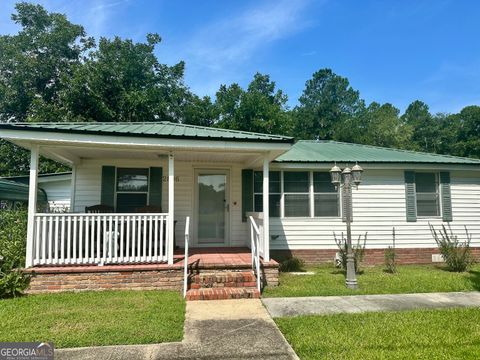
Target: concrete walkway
pixel 219 329
pixel 324 305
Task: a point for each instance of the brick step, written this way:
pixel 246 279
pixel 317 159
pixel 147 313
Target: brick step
pixel 223 279
pixel 222 293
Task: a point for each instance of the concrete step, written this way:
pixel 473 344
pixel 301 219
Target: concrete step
pixel 223 279
pixel 222 293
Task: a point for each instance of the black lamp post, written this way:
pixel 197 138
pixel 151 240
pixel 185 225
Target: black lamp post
pixel 345 179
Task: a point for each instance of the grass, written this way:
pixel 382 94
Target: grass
pixel 329 281
pixel 420 334
pixel 94 318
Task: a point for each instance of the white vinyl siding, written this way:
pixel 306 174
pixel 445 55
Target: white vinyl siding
pixel 58 194
pixel 378 206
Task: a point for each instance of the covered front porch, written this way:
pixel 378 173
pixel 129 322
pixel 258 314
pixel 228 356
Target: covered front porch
pixel 131 194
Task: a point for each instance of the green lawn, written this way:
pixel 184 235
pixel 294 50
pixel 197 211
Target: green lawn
pixel 421 334
pixel 410 279
pixel 94 318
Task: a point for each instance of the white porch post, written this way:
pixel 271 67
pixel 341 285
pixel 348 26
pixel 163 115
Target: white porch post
pixel 73 188
pixel 266 212
pixel 32 204
pixel 171 203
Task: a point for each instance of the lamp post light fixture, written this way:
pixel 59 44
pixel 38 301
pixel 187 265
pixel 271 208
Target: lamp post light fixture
pixel 345 179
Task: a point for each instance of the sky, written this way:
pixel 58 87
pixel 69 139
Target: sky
pixel 391 51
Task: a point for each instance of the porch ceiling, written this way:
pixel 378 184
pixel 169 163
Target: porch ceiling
pixel 75 154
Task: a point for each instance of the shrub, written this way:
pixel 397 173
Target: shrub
pixel 457 254
pixel 292 264
pixel 391 257
pixel 358 250
pixel 13 233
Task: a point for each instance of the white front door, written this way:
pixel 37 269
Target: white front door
pixel 212 207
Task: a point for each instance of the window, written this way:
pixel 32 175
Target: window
pixel 300 189
pixel 296 193
pixel 132 189
pixel 326 197
pixel 275 192
pixel 426 187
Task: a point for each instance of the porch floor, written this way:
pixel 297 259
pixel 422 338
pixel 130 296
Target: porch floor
pixel 199 258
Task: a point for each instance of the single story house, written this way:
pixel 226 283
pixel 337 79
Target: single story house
pixel 141 192
pixel 57 187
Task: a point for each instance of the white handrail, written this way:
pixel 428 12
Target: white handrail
pixel 185 261
pixel 255 239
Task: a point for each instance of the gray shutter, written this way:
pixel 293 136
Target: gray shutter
pixel 108 186
pixel 410 196
pixel 446 196
pixel 155 187
pixel 247 192
pixel 347 204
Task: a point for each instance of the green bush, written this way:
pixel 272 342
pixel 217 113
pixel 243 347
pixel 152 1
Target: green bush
pixel 292 264
pixel 13 234
pixel 457 254
pixel 358 251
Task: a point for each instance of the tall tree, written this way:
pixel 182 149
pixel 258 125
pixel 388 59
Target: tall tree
pixel 466 126
pixel 32 64
pixel 261 108
pixel 33 61
pixel 327 101
pixel 425 127
pixel 124 81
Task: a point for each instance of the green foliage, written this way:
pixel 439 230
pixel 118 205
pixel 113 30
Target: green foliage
pixel 358 250
pixel 33 62
pixel 327 101
pixel 13 233
pixel 457 254
pixel 292 264
pixel 260 108
pixel 391 257
pixel 124 81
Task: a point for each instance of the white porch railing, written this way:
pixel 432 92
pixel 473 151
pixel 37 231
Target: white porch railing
pixel 185 266
pixel 75 239
pixel 258 218
pixel 255 237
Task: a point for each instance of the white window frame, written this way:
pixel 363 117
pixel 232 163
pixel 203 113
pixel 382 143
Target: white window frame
pixel 437 191
pixel 311 196
pixel 337 193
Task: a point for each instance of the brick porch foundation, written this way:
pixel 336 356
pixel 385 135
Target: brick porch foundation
pixel 144 276
pixel 82 278
pixel 372 256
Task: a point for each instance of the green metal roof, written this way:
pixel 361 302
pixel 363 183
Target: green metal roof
pixel 323 151
pixel 162 129
pixel 14 191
